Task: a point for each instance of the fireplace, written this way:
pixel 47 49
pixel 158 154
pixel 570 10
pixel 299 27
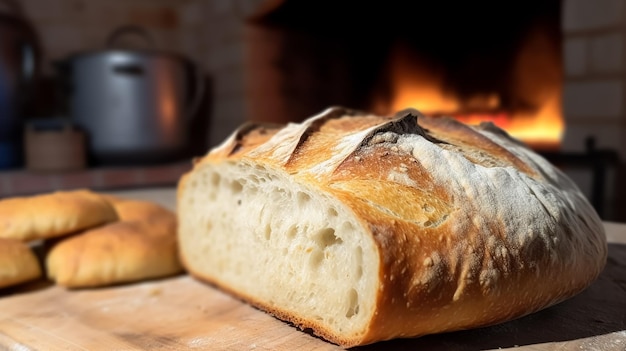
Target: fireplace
pixel 490 61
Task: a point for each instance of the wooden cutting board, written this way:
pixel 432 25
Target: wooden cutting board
pixel 180 313
pixel 173 314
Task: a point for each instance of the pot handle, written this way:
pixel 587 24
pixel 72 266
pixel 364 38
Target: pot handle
pixel 127 30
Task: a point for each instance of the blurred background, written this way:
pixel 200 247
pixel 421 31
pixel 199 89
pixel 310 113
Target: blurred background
pixel 112 94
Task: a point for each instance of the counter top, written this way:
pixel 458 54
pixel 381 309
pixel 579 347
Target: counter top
pixel 19 182
pixel 180 313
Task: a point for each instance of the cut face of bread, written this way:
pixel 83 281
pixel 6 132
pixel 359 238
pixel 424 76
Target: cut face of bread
pixel 305 247
pixel 367 228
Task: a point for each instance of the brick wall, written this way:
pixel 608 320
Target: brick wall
pixel 218 28
pixel 593 94
pixel 224 60
pixel 594 34
pixel 292 75
pixel 67 26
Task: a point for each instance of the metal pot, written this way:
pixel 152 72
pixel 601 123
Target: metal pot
pixel 17 68
pixel 135 105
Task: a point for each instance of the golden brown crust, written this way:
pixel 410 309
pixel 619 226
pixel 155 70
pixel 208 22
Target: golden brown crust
pixel 18 263
pixel 53 214
pixel 142 245
pixel 472 227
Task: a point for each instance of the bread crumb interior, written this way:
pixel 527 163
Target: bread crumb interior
pixel 290 247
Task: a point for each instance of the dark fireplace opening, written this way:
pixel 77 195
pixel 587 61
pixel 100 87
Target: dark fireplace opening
pixel 496 61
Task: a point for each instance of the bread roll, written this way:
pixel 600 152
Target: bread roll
pixel 366 228
pixel 18 263
pixel 53 214
pixel 141 245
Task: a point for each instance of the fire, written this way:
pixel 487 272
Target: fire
pixel 544 129
pixel 537 78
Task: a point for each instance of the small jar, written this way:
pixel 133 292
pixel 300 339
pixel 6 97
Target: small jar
pixel 57 147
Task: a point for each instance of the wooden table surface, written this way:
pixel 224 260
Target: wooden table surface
pixel 180 313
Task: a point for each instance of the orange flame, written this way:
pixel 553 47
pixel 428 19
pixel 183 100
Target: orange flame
pixel 538 77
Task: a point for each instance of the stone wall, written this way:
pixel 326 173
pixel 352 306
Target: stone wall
pixel 593 57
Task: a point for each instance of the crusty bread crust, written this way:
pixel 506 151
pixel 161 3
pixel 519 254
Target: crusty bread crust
pixel 18 263
pixel 53 214
pixel 141 245
pixel 472 227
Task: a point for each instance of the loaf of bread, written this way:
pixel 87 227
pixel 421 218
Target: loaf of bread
pixel 366 228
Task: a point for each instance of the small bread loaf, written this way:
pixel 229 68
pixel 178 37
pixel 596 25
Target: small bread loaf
pixel 141 245
pixel 53 214
pixel 365 228
pixel 18 263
